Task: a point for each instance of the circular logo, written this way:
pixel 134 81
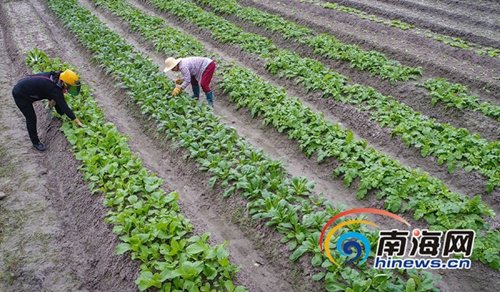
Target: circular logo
pixel 351 244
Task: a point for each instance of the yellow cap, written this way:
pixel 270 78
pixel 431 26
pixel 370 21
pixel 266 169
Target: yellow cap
pixel 69 77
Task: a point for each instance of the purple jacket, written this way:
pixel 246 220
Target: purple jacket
pixel 193 67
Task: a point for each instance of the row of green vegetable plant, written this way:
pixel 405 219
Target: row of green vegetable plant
pixel 147 220
pixel 323 44
pixel 456 147
pixel 458 96
pixel 285 204
pixel 448 40
pixel 376 171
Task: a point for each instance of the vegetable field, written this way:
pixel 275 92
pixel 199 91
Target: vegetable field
pixel 320 107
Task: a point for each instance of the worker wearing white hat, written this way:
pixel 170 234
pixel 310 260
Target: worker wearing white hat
pixel 197 71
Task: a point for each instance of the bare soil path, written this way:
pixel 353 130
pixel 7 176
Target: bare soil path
pixel 437 20
pixel 455 10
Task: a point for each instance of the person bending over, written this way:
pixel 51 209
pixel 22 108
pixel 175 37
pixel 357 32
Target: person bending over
pixel 45 85
pixel 197 71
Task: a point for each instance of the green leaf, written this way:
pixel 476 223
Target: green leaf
pixel 122 248
pixel 317 260
pixel 317 277
pixel 196 248
pixel 410 285
pixel 298 253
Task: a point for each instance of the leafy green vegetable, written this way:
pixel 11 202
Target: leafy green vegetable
pixel 457 95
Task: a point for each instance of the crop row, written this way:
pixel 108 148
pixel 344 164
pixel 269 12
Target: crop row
pixel 285 204
pixel 316 135
pixel 457 95
pixel 323 44
pixel 456 147
pixel 448 40
pixel 146 219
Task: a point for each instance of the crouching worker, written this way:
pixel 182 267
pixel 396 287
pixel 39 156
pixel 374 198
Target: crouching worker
pixel 197 71
pixel 46 85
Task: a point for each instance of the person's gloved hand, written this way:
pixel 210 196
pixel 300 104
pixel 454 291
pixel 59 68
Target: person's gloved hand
pixel 176 91
pixel 52 103
pixel 179 81
pixel 77 122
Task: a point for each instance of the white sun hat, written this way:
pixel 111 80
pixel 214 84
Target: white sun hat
pixel 170 63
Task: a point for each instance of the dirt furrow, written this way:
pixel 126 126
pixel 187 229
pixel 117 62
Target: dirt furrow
pixel 52 233
pixel 464 12
pixel 406 92
pixel 435 21
pixel 479 73
pixel 472 18
pixel 481 5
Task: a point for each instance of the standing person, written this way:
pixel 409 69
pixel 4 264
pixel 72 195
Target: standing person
pixel 197 71
pixel 45 85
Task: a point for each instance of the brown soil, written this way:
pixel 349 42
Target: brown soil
pixel 474 5
pixel 479 17
pixel 468 27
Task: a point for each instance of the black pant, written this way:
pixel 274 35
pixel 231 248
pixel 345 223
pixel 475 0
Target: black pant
pixel 26 107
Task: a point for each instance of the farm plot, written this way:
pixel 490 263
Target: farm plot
pixel 265 203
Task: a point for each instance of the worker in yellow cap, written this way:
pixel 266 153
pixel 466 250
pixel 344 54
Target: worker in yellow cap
pixel 46 85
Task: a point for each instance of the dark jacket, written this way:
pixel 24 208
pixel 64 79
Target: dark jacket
pixel 42 86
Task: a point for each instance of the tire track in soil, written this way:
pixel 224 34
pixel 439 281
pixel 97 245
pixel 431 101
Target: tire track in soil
pixel 380 139
pixel 202 205
pixel 434 22
pixel 406 92
pixel 52 233
pixel 480 73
